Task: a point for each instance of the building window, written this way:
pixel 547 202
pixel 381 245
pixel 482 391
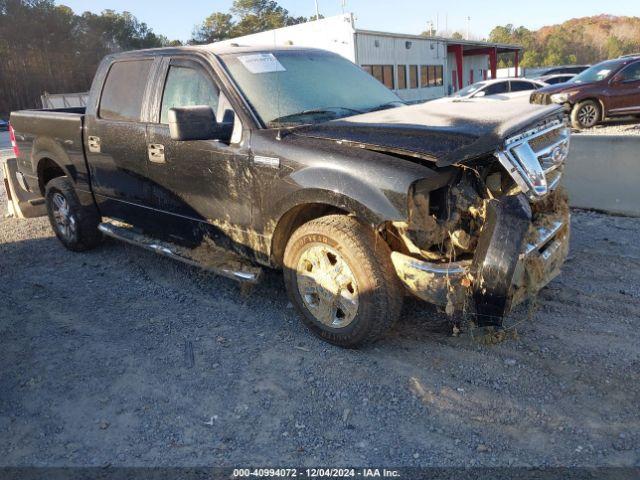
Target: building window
pixel 413 76
pixel 431 76
pixel 424 76
pixel 402 77
pixel 439 74
pixel 382 73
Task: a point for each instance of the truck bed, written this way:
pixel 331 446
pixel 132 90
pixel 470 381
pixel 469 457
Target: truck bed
pixel 49 133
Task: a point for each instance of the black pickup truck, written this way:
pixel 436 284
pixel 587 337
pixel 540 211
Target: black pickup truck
pixel 236 158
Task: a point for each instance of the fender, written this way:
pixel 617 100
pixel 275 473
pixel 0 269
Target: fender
pixel 48 148
pixel 45 147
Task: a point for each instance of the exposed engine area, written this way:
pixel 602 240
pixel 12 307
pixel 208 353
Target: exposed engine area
pixel 444 224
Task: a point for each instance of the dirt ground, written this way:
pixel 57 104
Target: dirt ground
pixel 119 357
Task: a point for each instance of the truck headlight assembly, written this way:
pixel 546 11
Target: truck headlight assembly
pixel 560 98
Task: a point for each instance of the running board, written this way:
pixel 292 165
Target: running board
pixel 207 256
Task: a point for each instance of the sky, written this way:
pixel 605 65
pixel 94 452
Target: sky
pixel 176 19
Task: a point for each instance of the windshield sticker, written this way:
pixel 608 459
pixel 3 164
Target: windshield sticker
pixel 261 63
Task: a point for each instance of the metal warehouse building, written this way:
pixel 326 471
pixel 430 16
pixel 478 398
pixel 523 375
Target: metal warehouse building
pixel 416 67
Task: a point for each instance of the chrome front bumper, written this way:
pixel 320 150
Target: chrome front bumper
pixel 449 285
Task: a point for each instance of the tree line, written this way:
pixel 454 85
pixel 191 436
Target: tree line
pixel 586 40
pixel 48 47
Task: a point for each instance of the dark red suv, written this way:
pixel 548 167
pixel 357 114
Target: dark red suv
pixel 608 89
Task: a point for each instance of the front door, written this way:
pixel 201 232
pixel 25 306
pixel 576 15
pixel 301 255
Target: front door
pixel 202 187
pixel 115 143
pixel 624 92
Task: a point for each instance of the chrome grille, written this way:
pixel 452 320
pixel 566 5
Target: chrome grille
pixel 531 157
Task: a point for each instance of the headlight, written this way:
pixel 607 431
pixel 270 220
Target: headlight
pixel 560 97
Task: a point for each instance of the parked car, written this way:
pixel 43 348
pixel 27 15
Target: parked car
pixel 556 78
pixel 358 198
pixel 4 125
pixel 500 86
pixel 608 89
pixel 574 69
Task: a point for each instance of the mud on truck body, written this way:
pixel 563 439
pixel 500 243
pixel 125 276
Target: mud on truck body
pixel 237 158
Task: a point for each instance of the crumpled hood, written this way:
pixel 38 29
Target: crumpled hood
pixel 443 132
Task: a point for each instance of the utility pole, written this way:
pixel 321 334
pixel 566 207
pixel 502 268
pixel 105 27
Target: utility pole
pixel 344 5
pixel 468 26
pixel 317 11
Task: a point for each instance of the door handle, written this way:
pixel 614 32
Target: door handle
pixel 156 153
pixel 94 144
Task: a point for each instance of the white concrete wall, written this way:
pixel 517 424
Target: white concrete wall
pixel 372 49
pixel 603 173
pixel 336 34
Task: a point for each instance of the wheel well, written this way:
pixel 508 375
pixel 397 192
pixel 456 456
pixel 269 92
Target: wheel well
pixel 292 220
pixel 596 100
pixel 48 170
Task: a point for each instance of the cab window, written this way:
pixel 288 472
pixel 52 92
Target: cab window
pixel 187 87
pixel 123 91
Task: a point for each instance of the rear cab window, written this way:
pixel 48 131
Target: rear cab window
pixel 124 89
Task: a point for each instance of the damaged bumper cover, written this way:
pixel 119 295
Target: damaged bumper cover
pixel 496 280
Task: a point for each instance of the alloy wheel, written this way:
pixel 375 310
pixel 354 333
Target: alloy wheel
pixel 327 286
pixel 588 115
pixel 65 221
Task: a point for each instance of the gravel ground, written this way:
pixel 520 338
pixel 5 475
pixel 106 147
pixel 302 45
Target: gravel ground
pixel 626 126
pixel 121 357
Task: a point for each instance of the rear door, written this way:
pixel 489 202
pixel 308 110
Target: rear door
pixel 624 91
pixel 115 141
pixel 200 186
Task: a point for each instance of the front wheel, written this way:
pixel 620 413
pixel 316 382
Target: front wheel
pixel 585 114
pixel 74 225
pixel 339 276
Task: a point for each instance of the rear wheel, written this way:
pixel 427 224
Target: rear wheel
pixel 339 276
pixel 74 225
pixel 586 114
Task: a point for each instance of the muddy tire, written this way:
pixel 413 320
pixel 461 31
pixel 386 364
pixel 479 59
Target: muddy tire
pixel 74 225
pixel 586 114
pixel 339 276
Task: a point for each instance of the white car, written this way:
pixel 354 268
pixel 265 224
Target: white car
pixel 499 89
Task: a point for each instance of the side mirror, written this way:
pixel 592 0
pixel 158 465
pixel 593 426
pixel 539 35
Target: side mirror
pixel 481 93
pixel 197 123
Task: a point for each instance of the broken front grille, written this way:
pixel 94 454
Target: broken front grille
pixel 533 158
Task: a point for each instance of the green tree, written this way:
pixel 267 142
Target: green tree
pixel 45 47
pixel 217 26
pixel 245 17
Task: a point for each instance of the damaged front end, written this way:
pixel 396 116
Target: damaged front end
pixel 495 235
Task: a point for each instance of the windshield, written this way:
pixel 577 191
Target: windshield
pixel 306 86
pixel 471 89
pixel 597 72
